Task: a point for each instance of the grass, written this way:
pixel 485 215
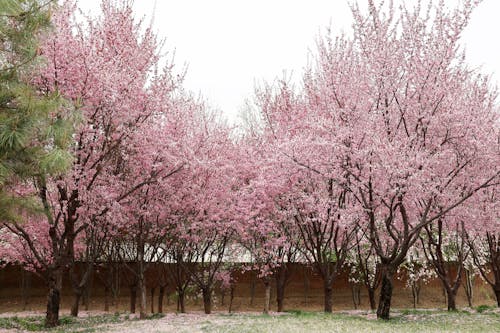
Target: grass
pixel 67 323
pixel 293 321
pixel 404 321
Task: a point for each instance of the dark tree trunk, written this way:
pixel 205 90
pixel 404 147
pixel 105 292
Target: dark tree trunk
pixel 106 298
pixel 415 291
pixel 153 300
pixel 451 296
pixel 231 298
pixel 81 287
pixel 267 298
pixel 328 290
pixel 142 297
pixel 252 289
pixel 497 294
pixel 356 295
pixel 222 297
pixel 280 296
pixel 384 304
pixel 88 289
pixel 281 280
pixel 25 286
pixel 133 297
pixel 76 303
pixel 181 301
pixel 306 285
pixel 469 286
pixel 53 298
pixel 161 293
pixel 371 297
pixel 207 300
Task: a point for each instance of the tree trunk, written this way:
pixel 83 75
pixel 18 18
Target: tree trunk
pixel 88 289
pixel 328 291
pixel 252 289
pixel 181 301
pixel 469 286
pixel 153 300
pixel 415 291
pixel 207 300
pixel 371 297
pixel 222 297
pixel 76 303
pixel 280 288
pixel 384 304
pixel 306 285
pixel 106 298
pixel 497 294
pixel 267 298
pixel 25 286
pixel 231 298
pixel 451 297
pixel 142 297
pixel 133 297
pixel 356 295
pixel 53 298
pixel 161 293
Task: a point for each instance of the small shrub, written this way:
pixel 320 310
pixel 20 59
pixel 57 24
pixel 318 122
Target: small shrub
pixel 483 307
pixel 156 316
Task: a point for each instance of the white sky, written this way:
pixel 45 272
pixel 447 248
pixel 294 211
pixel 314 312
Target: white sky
pixel 229 45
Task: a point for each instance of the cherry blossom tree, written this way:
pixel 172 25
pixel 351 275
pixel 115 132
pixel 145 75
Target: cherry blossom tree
pixel 201 203
pixel 364 266
pixel 265 231
pixel 444 246
pixel 109 68
pixel 483 238
pixel 418 272
pixel 393 118
pixel 313 201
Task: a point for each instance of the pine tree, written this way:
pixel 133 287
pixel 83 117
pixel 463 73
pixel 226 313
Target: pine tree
pixel 35 126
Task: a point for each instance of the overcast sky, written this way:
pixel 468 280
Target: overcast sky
pixel 229 45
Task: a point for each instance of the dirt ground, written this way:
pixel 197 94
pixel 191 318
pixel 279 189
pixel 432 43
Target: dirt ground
pixel 416 321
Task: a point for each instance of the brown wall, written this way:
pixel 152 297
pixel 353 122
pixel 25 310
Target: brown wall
pixel 304 291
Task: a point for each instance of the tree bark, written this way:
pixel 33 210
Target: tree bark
pixel 106 298
pixel 497 294
pixel 371 297
pixel 25 286
pixel 252 289
pixel 76 303
pixel 469 286
pixel 415 290
pixel 133 297
pixel 231 298
pixel 306 285
pixel 161 293
pixel 181 301
pixel 451 296
pixel 87 291
pixel 153 300
pixel 384 304
pixel 356 295
pixel 267 298
pixel 280 288
pixel 328 291
pixel 207 300
pixel 142 297
pixel 53 298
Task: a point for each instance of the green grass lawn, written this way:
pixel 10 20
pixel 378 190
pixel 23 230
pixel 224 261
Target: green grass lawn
pixel 406 321
pixel 294 321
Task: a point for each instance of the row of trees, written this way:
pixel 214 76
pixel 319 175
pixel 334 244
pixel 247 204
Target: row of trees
pixel 389 147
